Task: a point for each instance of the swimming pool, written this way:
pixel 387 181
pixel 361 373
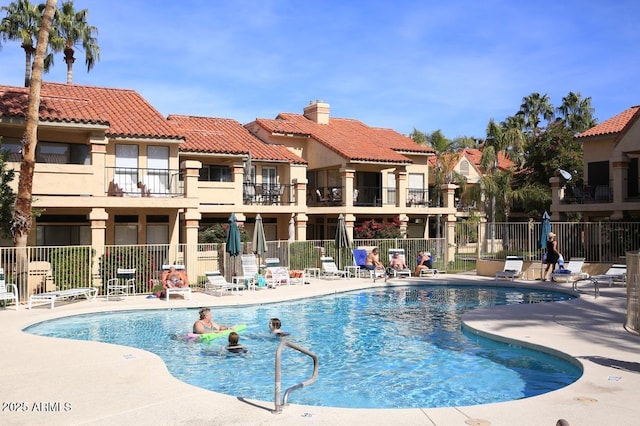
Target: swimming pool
pixel 399 347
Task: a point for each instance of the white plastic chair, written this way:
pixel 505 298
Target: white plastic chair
pixel 8 291
pixel 512 268
pixel 573 271
pixel 217 285
pixel 330 269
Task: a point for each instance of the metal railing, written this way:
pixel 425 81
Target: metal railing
pixel 46 268
pixel 267 194
pixel 137 182
pixel 314 376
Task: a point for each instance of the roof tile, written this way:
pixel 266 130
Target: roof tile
pixel 125 112
pixel 350 138
pixel 613 125
pixel 226 136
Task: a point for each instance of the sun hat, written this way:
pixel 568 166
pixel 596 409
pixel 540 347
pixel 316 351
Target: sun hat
pixel 551 235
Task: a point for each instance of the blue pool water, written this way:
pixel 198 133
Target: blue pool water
pixel 400 347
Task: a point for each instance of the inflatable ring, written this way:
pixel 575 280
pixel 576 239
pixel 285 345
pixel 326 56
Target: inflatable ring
pixel 192 337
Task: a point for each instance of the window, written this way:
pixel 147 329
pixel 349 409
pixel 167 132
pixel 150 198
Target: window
pixel 598 173
pixel 157 180
pixel 269 180
pixel 416 194
pixel 13 146
pixel 391 188
pixel 464 168
pixel 216 174
pixel 126 173
pixel 62 153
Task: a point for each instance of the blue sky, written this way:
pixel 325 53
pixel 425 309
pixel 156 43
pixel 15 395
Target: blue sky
pixel 400 64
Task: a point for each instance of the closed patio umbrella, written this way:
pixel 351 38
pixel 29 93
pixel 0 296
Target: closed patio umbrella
pixel 292 230
pixel 233 242
pixel 342 237
pixel 259 240
pixel 544 233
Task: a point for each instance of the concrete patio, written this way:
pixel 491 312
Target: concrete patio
pixel 62 382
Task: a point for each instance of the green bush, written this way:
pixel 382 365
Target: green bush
pixel 70 268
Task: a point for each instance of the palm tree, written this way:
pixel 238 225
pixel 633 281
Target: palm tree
pixel 577 113
pixel 21 23
pixel 532 108
pixel 72 29
pixel 22 215
pixel 509 142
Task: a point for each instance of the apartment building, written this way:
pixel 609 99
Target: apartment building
pixel 110 169
pixel 611 179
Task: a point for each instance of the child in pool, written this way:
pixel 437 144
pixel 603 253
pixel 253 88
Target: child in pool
pixel 274 327
pixel 234 347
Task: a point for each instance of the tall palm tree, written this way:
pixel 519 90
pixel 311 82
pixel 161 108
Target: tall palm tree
pixel 534 107
pixel 21 23
pixel 510 142
pixel 577 113
pixel 72 29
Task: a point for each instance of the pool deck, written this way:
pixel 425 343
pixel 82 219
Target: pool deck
pixel 66 382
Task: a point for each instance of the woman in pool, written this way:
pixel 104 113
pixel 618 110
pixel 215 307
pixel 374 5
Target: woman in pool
pixel 206 325
pixel 274 327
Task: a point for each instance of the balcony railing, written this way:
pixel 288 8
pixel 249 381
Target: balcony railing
pixel 417 197
pixel 587 194
pixel 267 194
pixel 133 182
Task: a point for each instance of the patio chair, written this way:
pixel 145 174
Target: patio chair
pixel 251 273
pixel 616 274
pixel 275 273
pixel 217 285
pixel 572 272
pixel 512 268
pixel 122 283
pixel 8 291
pixel 51 297
pixel 395 272
pixel 184 291
pixel 330 269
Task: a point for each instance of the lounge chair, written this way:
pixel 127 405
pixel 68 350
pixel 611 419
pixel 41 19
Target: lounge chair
pixel 275 273
pixel 217 285
pixel 8 291
pixel 251 273
pixel 359 261
pixel 403 272
pixel 184 291
pixel 572 272
pixel 512 268
pixel 330 270
pixel 88 293
pixel 616 274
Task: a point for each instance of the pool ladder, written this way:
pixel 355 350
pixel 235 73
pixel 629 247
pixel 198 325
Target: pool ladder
pixel 312 379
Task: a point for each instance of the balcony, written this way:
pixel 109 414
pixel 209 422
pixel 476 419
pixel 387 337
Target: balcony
pixel 588 194
pixel 417 197
pixel 266 194
pixel 132 182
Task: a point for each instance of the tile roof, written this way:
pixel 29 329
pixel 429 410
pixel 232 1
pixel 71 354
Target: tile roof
pixel 125 112
pixel 613 125
pixel 226 136
pixel 350 138
pixel 474 156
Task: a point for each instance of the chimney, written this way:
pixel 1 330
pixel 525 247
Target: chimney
pixel 317 111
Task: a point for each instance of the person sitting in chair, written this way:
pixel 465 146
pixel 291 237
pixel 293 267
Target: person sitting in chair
pixel 373 261
pixel 396 264
pixel 424 262
pixel 173 278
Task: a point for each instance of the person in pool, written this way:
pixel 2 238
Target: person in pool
pixel 274 327
pixel 234 347
pixel 206 325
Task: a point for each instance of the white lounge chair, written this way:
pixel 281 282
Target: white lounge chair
pixel 251 273
pixel 572 272
pixel 512 268
pixel 184 291
pixel 330 269
pixel 616 274
pixel 88 293
pixel 217 285
pixel 8 291
pixel 275 273
pixel 403 272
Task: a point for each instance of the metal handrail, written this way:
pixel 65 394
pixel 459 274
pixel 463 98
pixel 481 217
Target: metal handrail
pixel 312 379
